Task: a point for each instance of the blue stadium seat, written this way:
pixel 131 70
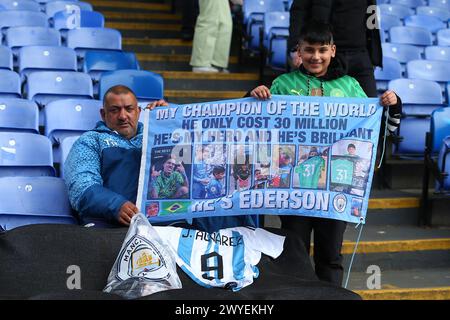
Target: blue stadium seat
pixel 413 131
pixel 147 86
pixel 391 70
pixel 34 200
pixel 444 163
pixel 432 24
pixel 27 5
pixel 9 84
pixel 439 3
pixel 276 33
pixel 46 86
pixel 433 70
pixel 98 61
pixel 399 11
pixel 17 37
pixel 437 53
pixel 46 58
pixel 22 18
pixel 53 7
pixel 25 154
pixel 69 117
pixel 66 145
pixel 63 20
pixel 443 37
pixel 83 39
pixel 388 21
pixel 439 128
pixel 6 58
pixel 411 35
pixel 18 115
pixel 409 3
pixel 440 13
pixel 253 16
pixel 420 98
pixel 402 52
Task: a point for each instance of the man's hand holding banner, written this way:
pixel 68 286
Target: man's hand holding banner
pixel 311 156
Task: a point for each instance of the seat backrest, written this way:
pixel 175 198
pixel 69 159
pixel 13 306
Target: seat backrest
pixel 145 84
pixel 437 53
pixel 391 69
pixel 32 36
pixel 25 154
pixel 443 37
pixel 440 13
pixel 30 200
pixel 18 115
pixel 388 21
pixel 46 86
pixel 429 70
pixel 9 84
pixel 54 6
pixel 251 7
pixel 94 38
pixel 70 116
pixel 6 58
pixel 97 61
pixel 34 58
pixel 433 24
pixel 417 91
pixel 413 131
pixel 399 11
pixel 27 5
pixel 22 18
pixel 409 3
pixel 63 20
pixel 274 20
pixel 439 127
pixel 402 52
pixel 445 4
pixel 411 35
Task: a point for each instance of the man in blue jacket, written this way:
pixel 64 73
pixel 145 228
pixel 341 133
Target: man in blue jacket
pixel 102 168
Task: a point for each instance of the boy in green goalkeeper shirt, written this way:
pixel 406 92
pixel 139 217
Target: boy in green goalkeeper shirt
pixel 322 73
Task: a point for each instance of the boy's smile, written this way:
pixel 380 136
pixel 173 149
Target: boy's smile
pixel 316 57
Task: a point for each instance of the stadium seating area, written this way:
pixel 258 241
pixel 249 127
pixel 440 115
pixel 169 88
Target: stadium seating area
pixel 57 59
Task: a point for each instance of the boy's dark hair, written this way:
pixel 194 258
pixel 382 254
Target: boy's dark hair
pixel 218 170
pixel 316 32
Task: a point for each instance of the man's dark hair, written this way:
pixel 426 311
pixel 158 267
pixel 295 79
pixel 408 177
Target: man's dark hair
pixel 316 32
pixel 351 145
pixel 118 89
pixel 218 170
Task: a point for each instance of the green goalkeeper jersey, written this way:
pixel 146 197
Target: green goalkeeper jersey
pixel 309 172
pixel 342 171
pixel 296 83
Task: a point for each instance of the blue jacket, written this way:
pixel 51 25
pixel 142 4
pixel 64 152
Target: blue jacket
pixel 102 173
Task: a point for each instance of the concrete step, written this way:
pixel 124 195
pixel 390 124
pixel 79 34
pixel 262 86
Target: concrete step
pixel 438 293
pixel 400 279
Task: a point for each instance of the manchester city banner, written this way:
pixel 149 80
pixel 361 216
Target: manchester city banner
pixel 290 155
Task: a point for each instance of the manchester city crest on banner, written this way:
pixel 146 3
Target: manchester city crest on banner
pixel 140 258
pixel 340 203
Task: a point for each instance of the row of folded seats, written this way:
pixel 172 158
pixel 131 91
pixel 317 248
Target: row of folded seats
pixel 56 62
pixel 416 64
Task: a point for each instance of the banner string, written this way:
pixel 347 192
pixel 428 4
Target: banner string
pixel 354 252
pixel 384 137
